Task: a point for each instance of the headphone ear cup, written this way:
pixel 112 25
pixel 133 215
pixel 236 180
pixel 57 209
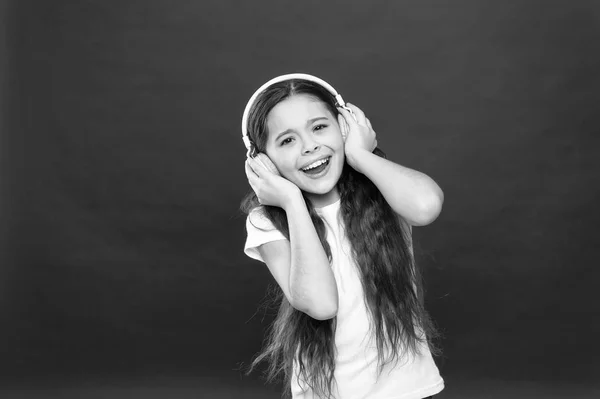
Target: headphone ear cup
pixel 344 128
pixel 267 163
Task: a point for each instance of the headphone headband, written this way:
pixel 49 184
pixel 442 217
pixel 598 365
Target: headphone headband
pixel 278 79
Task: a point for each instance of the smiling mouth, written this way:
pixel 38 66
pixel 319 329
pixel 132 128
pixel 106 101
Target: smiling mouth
pixel 317 166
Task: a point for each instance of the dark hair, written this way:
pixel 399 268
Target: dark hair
pixel 273 95
pixel 381 247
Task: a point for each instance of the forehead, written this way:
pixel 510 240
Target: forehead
pixel 294 111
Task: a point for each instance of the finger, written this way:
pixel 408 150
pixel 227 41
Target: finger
pixel 360 115
pixel 350 112
pixel 250 171
pixel 253 178
pixel 267 165
pixel 249 164
pixel 257 172
pixel 369 123
pixel 347 117
pixel 257 166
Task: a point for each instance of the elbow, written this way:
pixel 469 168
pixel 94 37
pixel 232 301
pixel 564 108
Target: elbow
pixel 321 310
pixel 429 209
pixel 323 313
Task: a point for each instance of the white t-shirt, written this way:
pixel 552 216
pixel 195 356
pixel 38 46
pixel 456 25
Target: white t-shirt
pixel 356 376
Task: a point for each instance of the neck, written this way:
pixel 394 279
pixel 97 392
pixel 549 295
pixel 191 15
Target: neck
pixel 322 200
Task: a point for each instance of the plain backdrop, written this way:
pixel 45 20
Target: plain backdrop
pixel 121 260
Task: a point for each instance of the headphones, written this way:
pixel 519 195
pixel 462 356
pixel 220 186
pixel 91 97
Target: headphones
pixel 247 142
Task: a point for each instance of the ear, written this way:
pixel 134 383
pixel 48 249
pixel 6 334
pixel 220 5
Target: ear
pixel 267 163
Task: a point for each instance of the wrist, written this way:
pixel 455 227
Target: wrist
pixel 292 200
pixel 353 157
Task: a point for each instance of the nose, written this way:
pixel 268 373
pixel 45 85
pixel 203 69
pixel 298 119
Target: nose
pixel 310 146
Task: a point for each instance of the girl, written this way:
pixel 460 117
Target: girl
pixel 331 218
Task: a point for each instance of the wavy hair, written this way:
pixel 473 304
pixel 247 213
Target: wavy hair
pixel 380 243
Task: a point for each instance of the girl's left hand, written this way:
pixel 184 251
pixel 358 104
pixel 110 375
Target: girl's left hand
pixel 359 134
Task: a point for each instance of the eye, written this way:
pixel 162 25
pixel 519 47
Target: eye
pixel 320 127
pixel 286 141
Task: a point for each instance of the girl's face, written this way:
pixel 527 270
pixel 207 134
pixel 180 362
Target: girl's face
pixel 305 143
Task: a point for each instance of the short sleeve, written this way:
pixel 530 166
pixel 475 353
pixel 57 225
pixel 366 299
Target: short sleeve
pixel 260 231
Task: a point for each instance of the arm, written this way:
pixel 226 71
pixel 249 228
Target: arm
pixel 411 194
pixel 300 265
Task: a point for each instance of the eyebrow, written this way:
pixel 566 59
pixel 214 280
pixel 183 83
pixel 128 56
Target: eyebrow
pixel 308 122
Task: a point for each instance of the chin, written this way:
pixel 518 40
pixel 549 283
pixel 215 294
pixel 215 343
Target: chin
pixel 319 191
pixel 322 186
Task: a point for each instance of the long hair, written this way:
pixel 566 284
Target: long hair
pixel 380 246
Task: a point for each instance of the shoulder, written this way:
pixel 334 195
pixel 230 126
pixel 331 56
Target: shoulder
pixel 258 219
pixel 260 231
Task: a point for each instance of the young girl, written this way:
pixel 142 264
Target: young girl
pixel 331 218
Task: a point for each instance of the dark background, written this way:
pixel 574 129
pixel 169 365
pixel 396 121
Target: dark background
pixel 122 272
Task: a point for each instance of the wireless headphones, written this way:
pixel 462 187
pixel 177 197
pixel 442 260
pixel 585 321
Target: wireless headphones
pixel 247 142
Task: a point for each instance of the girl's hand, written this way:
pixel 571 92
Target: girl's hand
pixel 359 133
pixel 270 188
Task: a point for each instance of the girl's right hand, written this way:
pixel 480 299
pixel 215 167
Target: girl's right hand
pixel 270 188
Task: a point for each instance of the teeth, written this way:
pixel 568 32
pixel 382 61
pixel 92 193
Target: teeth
pixel 315 164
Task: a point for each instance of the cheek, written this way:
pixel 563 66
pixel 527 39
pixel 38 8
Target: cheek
pixel 281 161
pixel 338 141
pixel 337 133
